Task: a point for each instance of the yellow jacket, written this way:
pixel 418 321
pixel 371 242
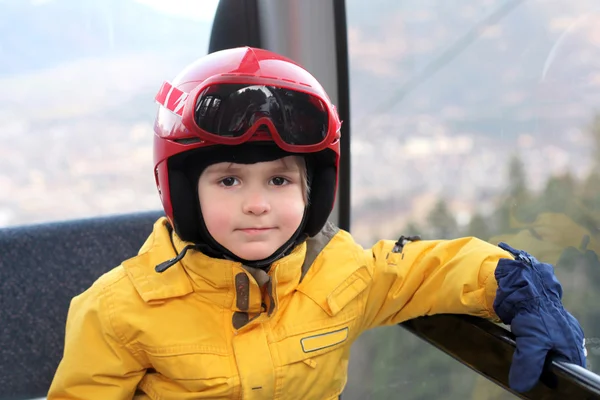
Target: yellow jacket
pixel 204 329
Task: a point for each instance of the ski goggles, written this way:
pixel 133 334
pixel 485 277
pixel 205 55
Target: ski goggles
pixel 232 113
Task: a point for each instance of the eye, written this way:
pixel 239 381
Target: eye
pixel 279 181
pixel 229 181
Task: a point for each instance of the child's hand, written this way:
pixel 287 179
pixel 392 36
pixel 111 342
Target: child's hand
pixel 529 299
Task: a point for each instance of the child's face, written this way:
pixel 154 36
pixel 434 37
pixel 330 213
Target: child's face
pixel 253 209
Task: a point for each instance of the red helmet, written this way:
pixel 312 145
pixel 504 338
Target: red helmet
pixel 236 96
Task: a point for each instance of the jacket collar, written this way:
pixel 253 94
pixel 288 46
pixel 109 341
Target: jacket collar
pixel 152 286
pixel 214 279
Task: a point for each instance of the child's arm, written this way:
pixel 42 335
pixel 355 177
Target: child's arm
pixel 432 277
pixel 470 276
pixel 96 363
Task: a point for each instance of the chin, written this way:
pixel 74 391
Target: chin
pixel 254 254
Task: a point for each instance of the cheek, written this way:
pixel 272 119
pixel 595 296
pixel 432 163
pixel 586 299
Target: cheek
pixel 214 211
pixel 216 221
pixel 293 209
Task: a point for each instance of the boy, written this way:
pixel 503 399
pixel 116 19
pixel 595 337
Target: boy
pixel 244 290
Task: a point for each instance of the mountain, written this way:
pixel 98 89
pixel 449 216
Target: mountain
pixel 442 94
pixel 38 35
pixel 493 67
pixel 71 60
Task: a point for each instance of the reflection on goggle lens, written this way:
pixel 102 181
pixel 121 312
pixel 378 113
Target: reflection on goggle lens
pixel 231 110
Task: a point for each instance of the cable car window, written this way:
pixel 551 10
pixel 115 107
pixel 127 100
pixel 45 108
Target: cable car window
pixel 483 118
pixel 76 108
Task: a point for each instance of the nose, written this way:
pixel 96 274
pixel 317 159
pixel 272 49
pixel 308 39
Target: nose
pixel 256 202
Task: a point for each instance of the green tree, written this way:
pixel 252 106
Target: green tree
pixel 478 227
pixel 516 199
pixel 441 222
pixel 517 180
pixel 587 261
pixel 594 132
pixel 558 194
pixel 412 229
pixel 590 191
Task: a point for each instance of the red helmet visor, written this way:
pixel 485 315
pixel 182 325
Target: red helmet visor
pixel 233 113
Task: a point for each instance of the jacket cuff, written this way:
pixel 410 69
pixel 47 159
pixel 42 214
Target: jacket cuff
pixel 490 286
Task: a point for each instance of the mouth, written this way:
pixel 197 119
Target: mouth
pixel 253 231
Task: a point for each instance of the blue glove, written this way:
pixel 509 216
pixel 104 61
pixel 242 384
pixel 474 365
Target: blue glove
pixel 529 300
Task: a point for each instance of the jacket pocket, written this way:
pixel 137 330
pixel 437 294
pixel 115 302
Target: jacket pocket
pixel 322 341
pixel 311 344
pixel 316 361
pixel 335 293
pixel 205 370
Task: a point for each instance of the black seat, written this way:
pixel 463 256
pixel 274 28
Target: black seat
pixel 41 268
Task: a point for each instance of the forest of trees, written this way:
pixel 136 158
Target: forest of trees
pixel 559 224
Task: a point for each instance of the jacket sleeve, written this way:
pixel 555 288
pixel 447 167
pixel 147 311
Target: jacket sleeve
pixel 431 277
pixel 96 364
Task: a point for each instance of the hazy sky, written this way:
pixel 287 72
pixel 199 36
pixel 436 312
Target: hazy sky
pixel 195 9
pixel 203 10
